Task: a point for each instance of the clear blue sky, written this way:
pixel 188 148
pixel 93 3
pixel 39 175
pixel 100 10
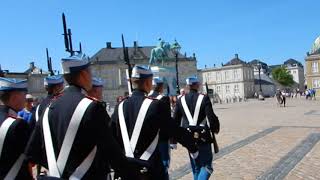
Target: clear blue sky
pixel 215 30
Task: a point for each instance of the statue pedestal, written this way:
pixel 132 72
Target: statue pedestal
pixel 168 74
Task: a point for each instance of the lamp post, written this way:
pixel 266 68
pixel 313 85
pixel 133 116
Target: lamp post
pixel 175 48
pixel 260 92
pixel 259 69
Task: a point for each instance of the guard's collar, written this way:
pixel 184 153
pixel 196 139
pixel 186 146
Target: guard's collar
pixel 193 91
pixel 138 92
pixel 75 88
pixel 10 111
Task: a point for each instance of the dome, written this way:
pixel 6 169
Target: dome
pixel 316 46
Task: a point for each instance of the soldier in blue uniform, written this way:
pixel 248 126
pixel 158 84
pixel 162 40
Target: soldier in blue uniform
pixel 164 148
pixel 77 143
pixel 14 132
pixel 97 89
pixel 137 121
pixel 194 112
pixel 54 87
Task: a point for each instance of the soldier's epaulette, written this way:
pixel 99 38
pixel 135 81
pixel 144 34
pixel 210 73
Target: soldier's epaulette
pixel 14 117
pixel 124 98
pixel 152 98
pixel 96 100
pixel 92 98
pixel 57 96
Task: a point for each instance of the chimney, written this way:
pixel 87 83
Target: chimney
pixel 135 46
pixel 109 45
pixel 31 66
pixel 237 56
pixel 1 72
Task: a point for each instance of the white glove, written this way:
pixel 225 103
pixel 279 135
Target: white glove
pixel 173 146
pixel 194 155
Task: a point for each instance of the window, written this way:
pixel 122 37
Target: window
pixel 294 72
pixel 227 89
pixel 315 68
pixel 236 88
pixel 235 74
pixel 218 89
pixel 226 75
pixel 316 83
pixel 218 76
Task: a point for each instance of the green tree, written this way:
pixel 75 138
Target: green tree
pixel 282 76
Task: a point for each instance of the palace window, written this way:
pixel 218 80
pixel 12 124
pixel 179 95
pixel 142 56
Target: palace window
pixel 227 89
pixel 218 89
pixel 315 68
pixel 315 83
pixel 236 88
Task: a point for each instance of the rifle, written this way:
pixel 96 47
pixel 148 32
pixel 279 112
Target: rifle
pixel 68 37
pixel 214 140
pixel 49 63
pixel 127 62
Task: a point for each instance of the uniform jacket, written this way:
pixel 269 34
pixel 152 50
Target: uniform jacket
pixel 157 118
pixel 93 130
pixel 206 111
pixel 14 144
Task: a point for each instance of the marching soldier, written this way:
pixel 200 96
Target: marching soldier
pixel 54 87
pixel 137 121
pixel 194 112
pixel 72 138
pixel 96 90
pixel 14 132
pixel 164 148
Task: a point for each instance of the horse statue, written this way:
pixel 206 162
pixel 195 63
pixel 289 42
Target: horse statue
pixel 160 53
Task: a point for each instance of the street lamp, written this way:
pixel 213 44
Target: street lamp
pixel 259 69
pixel 259 66
pixel 175 48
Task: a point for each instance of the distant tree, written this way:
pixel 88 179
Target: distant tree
pixel 282 76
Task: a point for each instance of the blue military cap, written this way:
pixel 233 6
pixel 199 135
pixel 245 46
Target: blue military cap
pixel 97 82
pixel 192 80
pixel 75 63
pixel 157 81
pixel 10 84
pixel 141 72
pixel 53 80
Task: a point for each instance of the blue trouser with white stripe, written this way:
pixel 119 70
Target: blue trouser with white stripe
pixel 202 165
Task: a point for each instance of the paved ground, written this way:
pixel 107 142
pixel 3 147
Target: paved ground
pixel 259 140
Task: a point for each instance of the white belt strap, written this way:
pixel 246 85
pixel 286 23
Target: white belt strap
pixel 15 168
pixel 130 144
pixel 192 120
pixel 51 159
pixel 3 133
pixel 152 147
pixel 56 167
pixel 84 166
pixel 159 97
pixel 37 113
pixel 124 132
pixel 4 130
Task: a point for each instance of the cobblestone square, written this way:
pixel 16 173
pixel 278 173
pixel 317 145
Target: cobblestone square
pixel 259 140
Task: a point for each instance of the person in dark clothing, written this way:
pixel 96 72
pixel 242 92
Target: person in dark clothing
pixel 137 121
pixel 194 112
pixel 93 148
pixel 14 132
pixel 53 86
pixel 164 144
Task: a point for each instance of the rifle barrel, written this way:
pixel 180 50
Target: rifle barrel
pixel 65 33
